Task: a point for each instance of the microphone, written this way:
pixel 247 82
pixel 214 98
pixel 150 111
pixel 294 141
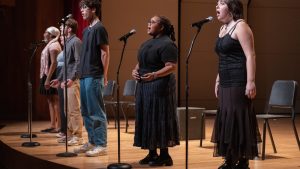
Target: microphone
pixel 38 43
pixel 63 20
pixel 127 35
pixel 200 23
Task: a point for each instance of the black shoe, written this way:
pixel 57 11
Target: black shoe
pixel 242 164
pixel 47 130
pixel 161 161
pixel 225 165
pixel 148 158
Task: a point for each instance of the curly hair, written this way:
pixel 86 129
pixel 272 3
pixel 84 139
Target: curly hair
pixel 168 27
pixel 91 4
pixel 236 8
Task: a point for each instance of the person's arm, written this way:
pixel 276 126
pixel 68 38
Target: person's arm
pixel 105 61
pixel 53 55
pixel 217 86
pixel 135 73
pixel 245 37
pixel 169 68
pixel 73 75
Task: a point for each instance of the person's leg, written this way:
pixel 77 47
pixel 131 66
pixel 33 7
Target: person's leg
pixel 97 110
pixel 74 116
pixel 163 159
pixel 56 112
pixel 95 105
pixel 151 156
pixel 51 111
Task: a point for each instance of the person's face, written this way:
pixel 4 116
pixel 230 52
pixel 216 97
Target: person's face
pixel 86 12
pixel 67 28
pixel 154 27
pixel 222 11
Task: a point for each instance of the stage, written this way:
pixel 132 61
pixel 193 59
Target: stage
pixel 13 155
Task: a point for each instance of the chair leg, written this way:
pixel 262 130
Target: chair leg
pixel 125 118
pixel 296 134
pixel 114 109
pixel 271 137
pixel 264 140
pixel 201 128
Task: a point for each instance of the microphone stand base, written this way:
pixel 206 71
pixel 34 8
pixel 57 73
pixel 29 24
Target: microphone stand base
pixel 119 166
pixel 30 144
pixel 26 135
pixel 66 154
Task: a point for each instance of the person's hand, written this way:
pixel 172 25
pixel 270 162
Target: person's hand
pixel 105 81
pixel 217 89
pixel 135 74
pixel 250 90
pixel 148 76
pixel 54 83
pixel 47 84
pixel 63 84
pixel 69 82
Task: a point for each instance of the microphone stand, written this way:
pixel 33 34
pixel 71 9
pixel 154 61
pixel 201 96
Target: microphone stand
pixel 119 165
pixel 66 153
pixel 187 87
pixel 29 88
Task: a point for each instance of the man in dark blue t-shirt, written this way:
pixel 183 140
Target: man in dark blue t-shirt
pixel 93 69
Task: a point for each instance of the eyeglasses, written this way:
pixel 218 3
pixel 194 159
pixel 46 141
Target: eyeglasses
pixel 151 22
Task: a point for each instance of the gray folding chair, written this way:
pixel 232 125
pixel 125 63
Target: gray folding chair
pixel 128 92
pixel 282 97
pixel 108 95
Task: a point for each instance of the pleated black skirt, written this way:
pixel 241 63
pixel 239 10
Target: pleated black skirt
pixel 156 124
pixel 235 129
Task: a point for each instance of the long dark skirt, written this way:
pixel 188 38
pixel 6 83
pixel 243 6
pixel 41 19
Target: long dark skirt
pixel 156 124
pixel 235 129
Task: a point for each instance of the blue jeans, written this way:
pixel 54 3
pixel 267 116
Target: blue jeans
pixel 93 110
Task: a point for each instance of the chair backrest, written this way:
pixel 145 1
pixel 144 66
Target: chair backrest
pixel 109 89
pixel 283 95
pixel 129 88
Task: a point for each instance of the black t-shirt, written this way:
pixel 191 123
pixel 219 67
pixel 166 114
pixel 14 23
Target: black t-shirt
pixel 154 53
pixel 90 60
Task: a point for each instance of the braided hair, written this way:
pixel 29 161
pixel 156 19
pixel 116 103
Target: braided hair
pixel 168 27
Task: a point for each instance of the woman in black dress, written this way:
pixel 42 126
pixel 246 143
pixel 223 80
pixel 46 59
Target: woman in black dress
pixel 235 130
pixel 156 123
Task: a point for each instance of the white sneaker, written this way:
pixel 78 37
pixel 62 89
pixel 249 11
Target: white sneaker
pixel 75 141
pixel 60 135
pixel 63 139
pixel 84 148
pixel 96 151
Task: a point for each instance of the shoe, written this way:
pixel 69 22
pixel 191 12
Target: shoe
pixel 60 135
pixel 75 141
pixel 54 130
pixel 96 151
pixel 161 161
pixel 63 139
pixel 148 158
pixel 225 165
pixel 242 164
pixel 47 130
pixel 84 148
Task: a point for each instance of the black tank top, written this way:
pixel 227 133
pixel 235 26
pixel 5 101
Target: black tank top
pixel 232 61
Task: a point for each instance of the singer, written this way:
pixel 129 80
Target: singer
pixel 47 73
pixel 93 68
pixel 156 124
pixel 235 129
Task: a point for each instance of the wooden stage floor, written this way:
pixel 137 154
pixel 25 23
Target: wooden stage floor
pixel 13 155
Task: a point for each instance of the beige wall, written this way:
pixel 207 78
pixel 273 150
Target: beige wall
pixel 275 26
pixel 119 17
